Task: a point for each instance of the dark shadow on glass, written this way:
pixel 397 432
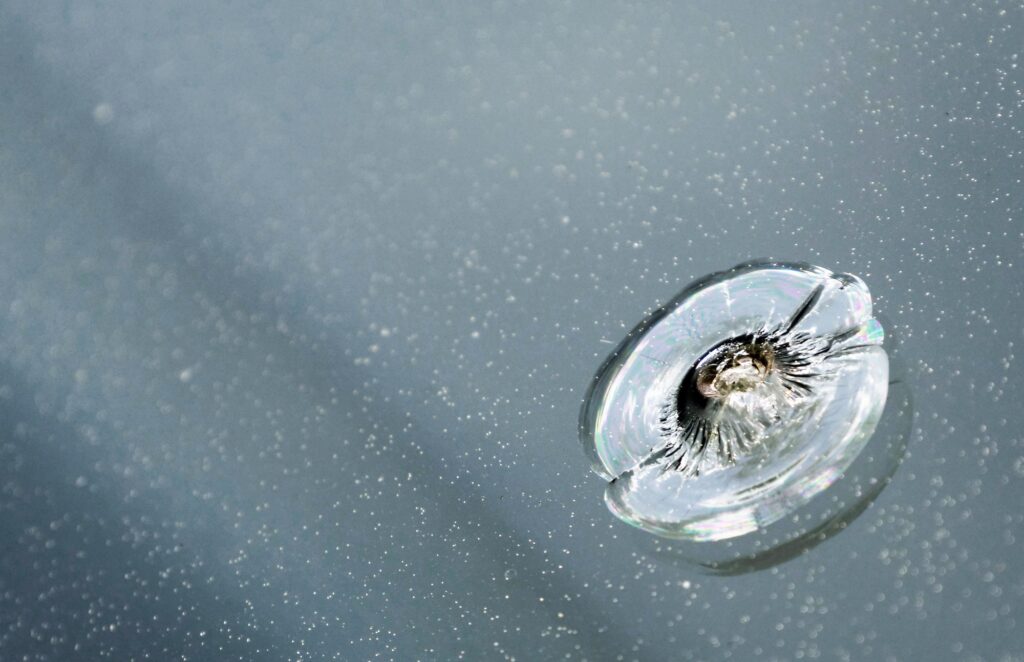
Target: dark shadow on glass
pixel 121 193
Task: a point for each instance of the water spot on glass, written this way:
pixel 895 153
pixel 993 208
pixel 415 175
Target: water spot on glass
pixel 103 113
pixel 738 401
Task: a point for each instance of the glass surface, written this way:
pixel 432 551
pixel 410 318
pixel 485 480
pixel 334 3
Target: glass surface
pixel 299 305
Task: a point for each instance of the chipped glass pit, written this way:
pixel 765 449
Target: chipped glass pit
pixel 738 401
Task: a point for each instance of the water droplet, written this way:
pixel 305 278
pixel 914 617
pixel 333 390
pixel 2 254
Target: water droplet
pixel 738 401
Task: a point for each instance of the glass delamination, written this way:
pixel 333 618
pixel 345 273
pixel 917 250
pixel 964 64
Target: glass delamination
pixel 738 401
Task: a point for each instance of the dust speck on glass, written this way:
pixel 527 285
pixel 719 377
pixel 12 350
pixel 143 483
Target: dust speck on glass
pixel 737 402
